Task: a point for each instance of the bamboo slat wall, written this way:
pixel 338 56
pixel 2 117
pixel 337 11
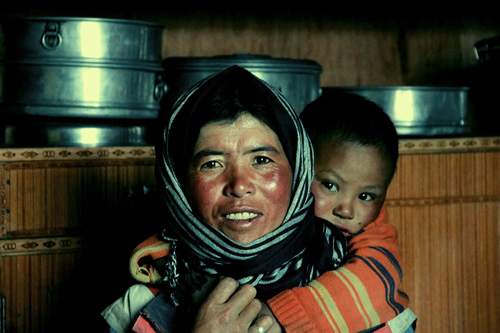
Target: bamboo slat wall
pixel 447 208
pixel 68 220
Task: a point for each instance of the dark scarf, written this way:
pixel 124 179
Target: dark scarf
pixel 291 255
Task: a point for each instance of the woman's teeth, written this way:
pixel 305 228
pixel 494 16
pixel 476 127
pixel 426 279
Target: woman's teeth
pixel 241 216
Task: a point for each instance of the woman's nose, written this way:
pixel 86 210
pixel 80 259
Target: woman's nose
pixel 344 209
pixel 239 183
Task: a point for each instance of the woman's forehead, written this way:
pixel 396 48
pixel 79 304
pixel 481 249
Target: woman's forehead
pixel 245 132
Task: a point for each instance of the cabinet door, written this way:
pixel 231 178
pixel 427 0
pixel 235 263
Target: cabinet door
pixel 67 229
pixel 446 206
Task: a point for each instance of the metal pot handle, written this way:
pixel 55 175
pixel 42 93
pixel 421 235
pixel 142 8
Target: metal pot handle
pixel 51 38
pixel 161 87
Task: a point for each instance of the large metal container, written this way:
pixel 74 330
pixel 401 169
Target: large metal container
pixel 487 51
pixel 81 67
pixel 74 134
pixel 417 110
pixel 297 79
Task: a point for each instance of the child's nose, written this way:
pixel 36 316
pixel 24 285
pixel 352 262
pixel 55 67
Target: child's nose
pixel 344 209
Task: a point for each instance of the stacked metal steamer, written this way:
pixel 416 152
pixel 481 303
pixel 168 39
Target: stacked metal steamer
pixel 68 81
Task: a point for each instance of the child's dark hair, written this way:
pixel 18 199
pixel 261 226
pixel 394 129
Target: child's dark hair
pixel 340 117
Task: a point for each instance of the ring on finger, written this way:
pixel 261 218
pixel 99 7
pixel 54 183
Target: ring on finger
pixel 261 329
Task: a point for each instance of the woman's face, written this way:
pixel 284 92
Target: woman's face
pixel 350 185
pixel 239 178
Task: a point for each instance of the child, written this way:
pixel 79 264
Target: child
pixel 356 152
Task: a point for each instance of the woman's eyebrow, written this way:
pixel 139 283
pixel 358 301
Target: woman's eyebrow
pixel 262 149
pixel 206 152
pixel 211 152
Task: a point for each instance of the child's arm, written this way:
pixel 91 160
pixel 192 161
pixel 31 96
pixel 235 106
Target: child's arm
pixel 361 294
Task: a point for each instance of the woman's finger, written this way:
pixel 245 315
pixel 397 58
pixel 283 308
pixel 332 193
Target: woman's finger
pixel 263 324
pixel 223 291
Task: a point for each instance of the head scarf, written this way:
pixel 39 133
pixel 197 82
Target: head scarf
pixel 282 258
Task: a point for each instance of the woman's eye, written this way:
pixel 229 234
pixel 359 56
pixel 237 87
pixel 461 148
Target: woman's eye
pixel 210 165
pixel 366 197
pixel 261 160
pixel 332 187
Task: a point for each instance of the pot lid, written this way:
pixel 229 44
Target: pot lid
pixel 245 60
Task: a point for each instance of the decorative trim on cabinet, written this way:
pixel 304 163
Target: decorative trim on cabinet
pixel 448 145
pixel 45 245
pixel 441 201
pixel 70 153
pixel 406 146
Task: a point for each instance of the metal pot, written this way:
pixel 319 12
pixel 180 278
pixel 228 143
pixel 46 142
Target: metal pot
pixel 297 79
pixel 488 51
pixel 81 67
pixel 56 134
pixel 418 111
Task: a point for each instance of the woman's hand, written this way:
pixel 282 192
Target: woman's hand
pixel 232 308
pixel 266 311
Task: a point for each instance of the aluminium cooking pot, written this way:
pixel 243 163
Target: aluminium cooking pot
pixel 487 51
pixel 81 67
pixel 297 79
pixel 418 110
pixel 82 38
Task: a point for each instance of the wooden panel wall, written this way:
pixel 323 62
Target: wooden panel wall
pixel 390 49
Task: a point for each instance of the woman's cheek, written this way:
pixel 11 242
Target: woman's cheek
pixel 201 194
pixel 278 184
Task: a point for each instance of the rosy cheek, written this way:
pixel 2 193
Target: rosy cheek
pixel 278 184
pixel 200 194
pixel 321 206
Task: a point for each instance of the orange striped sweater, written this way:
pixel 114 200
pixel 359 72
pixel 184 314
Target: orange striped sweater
pixel 361 294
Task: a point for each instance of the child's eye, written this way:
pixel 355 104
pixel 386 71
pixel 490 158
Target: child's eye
pixel 366 197
pixel 262 160
pixel 210 165
pixel 332 187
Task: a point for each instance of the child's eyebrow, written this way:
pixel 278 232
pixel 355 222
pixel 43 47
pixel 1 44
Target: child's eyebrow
pixel 334 173
pixel 373 187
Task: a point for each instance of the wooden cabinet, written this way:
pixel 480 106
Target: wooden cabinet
pixel 68 220
pixel 445 201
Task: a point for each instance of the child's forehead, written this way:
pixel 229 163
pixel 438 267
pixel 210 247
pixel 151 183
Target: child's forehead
pixel 353 158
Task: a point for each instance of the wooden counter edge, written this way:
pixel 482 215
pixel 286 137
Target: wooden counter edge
pixel 406 146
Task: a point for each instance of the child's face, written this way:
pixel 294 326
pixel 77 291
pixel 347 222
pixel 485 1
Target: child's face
pixel 350 185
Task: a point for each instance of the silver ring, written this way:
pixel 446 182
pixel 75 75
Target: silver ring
pixel 261 329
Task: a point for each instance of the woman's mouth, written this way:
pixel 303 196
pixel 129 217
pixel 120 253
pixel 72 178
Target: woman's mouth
pixel 240 216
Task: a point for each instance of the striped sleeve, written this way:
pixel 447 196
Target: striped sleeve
pixel 361 294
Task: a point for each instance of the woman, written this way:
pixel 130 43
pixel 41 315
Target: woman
pixel 273 254
pixel 236 167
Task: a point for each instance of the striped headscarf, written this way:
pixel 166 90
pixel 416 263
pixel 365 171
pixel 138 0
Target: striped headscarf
pixel 286 257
